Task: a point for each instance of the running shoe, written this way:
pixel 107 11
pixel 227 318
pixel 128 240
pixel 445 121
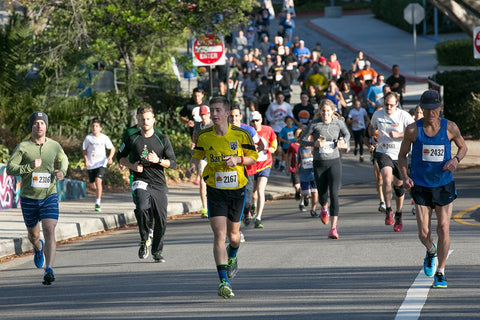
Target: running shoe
pixel 398 226
pixel 324 216
pixel 382 207
pixel 247 218
pixel 97 208
pixel 158 258
pixel 242 237
pixel 298 195
pixel 258 224
pixel 204 213
pixel 333 234
pixel 414 210
pixel 143 250
pixel 306 202
pixel 389 217
pixel 313 213
pixel 439 281
pixel 282 168
pixel 225 290
pixel 430 263
pixel 253 208
pixel 48 276
pixel 301 205
pixel 148 243
pixel 38 256
pixel 361 158
pixel 232 268
pixel 196 182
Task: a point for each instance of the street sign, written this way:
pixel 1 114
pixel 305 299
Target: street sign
pixel 414 13
pixel 476 42
pixel 208 50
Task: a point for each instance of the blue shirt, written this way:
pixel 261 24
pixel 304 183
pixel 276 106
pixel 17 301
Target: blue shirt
pixel 287 134
pixel 429 155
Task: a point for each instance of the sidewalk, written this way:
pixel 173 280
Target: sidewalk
pixel 385 45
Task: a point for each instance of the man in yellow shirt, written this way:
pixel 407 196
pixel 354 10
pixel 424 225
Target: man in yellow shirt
pixel 227 149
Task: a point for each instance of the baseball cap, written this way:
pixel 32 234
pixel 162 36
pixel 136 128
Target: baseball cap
pixel 430 99
pixel 322 58
pixel 256 115
pixel 367 63
pixel 301 41
pixel 38 115
pixel 204 110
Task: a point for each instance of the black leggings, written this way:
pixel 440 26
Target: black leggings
pixel 358 136
pixel 328 176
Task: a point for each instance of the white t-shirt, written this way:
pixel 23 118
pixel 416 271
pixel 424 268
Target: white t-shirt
pixel 95 149
pixel 277 113
pixel 358 117
pixel 384 123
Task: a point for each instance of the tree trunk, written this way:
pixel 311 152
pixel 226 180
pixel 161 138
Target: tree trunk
pixel 129 74
pixel 459 14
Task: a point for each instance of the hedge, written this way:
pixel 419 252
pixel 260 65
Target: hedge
pixel 460 104
pixel 456 53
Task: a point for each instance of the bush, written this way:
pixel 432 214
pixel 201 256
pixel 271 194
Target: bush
pixel 391 12
pixel 462 99
pixel 456 53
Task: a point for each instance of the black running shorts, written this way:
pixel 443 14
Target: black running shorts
pixel 432 196
pixel 384 160
pixel 226 203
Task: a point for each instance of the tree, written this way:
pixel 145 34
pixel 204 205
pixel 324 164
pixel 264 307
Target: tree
pixel 119 31
pixel 464 13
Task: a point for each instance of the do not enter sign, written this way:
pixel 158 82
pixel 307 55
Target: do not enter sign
pixel 208 50
pixel 476 43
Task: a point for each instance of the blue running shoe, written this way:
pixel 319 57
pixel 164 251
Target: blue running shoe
pixel 38 257
pixel 439 281
pixel 225 290
pixel 48 277
pixel 430 263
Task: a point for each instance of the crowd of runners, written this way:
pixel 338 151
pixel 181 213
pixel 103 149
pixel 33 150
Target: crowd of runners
pixel 249 128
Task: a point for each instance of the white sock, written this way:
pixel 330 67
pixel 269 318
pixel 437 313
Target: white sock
pixel 97 201
pixel 441 270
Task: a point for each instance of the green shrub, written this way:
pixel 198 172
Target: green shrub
pixel 456 53
pixel 461 99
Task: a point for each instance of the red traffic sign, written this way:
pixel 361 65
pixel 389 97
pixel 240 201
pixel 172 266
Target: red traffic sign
pixel 476 42
pixel 208 50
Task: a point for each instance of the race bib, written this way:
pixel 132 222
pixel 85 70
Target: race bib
pixel 307 163
pixel 433 153
pixel 290 135
pixel 327 147
pixel 41 179
pixel 226 180
pixel 139 185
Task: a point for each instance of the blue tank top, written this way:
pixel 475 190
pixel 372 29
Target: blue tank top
pixel 429 155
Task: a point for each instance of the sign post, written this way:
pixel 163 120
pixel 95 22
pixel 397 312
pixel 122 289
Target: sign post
pixel 208 50
pixel 476 42
pixel 414 14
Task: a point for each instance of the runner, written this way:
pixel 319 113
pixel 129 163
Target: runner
pixel 147 153
pixel 228 149
pixel 35 161
pixel 431 180
pixel 304 169
pixel 96 159
pixel 263 165
pixel 390 123
pixel 329 135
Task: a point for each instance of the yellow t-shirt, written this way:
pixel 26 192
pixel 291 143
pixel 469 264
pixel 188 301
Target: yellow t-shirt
pixel 213 148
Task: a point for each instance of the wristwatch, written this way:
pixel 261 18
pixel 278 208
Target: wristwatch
pixel 160 160
pixel 458 159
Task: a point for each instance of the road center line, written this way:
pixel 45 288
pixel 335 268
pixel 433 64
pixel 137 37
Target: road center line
pixel 416 296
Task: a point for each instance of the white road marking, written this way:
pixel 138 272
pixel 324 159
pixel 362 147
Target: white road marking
pixel 416 296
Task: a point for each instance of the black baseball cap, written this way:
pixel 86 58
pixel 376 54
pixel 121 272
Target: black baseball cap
pixel 430 99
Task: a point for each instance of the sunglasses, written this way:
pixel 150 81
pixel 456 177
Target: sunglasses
pixel 256 120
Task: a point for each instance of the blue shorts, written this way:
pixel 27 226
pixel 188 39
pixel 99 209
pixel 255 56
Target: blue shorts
pixel 264 173
pixel 36 210
pixel 308 187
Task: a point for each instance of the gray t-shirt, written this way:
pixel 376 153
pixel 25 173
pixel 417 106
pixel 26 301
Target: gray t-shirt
pixel 331 131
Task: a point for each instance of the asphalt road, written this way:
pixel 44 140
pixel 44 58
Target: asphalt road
pixel 289 270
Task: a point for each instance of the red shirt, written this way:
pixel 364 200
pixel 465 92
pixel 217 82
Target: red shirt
pixel 269 139
pixel 292 151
